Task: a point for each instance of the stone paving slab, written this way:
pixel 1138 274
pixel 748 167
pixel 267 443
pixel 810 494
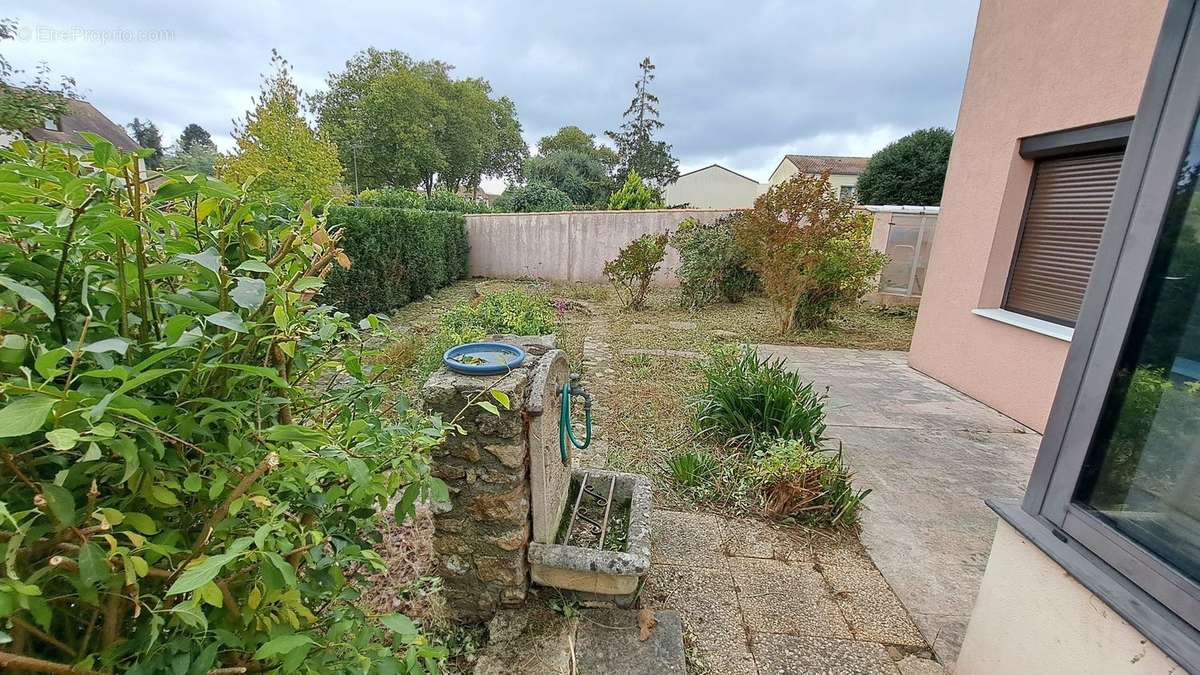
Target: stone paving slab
pixel 873 611
pixel 695 539
pixel 787 598
pixel 756 539
pixel 609 641
pixel 930 455
pixel 708 604
pixel 804 655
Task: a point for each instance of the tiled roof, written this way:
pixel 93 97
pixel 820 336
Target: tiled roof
pixel 82 116
pixel 851 166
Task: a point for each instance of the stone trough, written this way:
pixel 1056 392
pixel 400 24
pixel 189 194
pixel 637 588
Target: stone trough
pixel 596 570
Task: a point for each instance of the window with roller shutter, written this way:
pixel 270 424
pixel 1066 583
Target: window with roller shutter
pixel 1060 233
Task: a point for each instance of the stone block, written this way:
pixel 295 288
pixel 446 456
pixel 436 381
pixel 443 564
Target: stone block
pixel 510 506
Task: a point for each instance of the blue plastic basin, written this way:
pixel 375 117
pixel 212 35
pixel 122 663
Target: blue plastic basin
pixel 483 358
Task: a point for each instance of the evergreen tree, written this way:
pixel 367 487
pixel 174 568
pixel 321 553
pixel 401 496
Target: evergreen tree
pixel 146 135
pixel 636 146
pixel 193 134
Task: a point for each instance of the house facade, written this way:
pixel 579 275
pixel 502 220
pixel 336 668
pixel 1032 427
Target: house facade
pixel 713 187
pixel 1064 290
pixel 82 116
pixel 843 171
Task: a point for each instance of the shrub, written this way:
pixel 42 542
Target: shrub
pixel 533 197
pixel 446 200
pixel 712 265
pixel 392 198
pixel 746 399
pixel 911 170
pixel 195 451
pixel 398 255
pixel 514 312
pixel 635 194
pixel 632 270
pixel 813 487
pixel 811 249
pixel 692 469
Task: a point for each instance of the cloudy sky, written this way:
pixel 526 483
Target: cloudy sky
pixel 741 83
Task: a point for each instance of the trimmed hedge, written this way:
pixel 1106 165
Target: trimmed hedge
pixel 396 255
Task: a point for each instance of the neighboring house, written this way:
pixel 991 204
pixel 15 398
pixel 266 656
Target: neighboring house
pixel 843 171
pixel 1064 290
pixel 713 187
pixel 82 116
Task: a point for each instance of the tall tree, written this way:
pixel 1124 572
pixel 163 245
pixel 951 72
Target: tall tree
pixel 911 170
pixel 25 104
pixel 574 138
pixel 580 175
pixel 146 134
pixel 408 123
pixel 193 134
pixel 276 146
pixel 636 146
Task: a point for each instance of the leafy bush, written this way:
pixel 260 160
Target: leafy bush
pixel 712 265
pixel 635 194
pixel 579 174
pixel 746 399
pixel 911 170
pixel 813 487
pixel 194 450
pixel 692 469
pixel 811 249
pixel 632 270
pixel 533 197
pixel 513 312
pixel 399 255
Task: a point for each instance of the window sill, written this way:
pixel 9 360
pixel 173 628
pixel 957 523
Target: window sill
pixel 1029 323
pixel 1174 636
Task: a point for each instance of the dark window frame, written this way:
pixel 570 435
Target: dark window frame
pixel 1074 142
pixel 1152 596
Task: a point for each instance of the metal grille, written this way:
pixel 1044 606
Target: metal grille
pixel 1060 235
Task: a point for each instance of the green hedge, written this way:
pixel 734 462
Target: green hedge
pixel 396 255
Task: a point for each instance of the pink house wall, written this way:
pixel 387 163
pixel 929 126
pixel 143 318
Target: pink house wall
pixel 1036 67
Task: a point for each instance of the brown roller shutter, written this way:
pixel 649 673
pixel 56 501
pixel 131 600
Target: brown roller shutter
pixel 1060 235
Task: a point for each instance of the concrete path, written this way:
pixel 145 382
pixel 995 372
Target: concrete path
pixel 931 455
pixel 759 600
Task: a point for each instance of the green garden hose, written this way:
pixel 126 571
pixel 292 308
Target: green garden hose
pixel 565 430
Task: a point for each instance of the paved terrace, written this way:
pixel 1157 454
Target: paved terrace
pixel 931 455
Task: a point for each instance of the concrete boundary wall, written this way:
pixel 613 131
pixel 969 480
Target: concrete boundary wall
pixel 569 245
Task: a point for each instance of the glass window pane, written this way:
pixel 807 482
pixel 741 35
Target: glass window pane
pixel 1143 471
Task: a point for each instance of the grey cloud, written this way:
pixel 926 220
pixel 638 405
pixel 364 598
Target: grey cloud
pixel 739 82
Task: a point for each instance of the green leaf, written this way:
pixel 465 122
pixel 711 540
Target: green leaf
pixel 30 213
pixel 254 266
pixel 60 503
pixel 489 406
pixel 134 383
pixel 201 573
pixel 190 302
pixel 164 270
pixel 21 190
pixel 25 415
pixel 404 506
pixel 31 295
pixel 501 398
pixel 46 364
pixel 207 259
pixel 358 470
pixel 282 645
pixel 308 283
pixel 283 567
pixel 141 522
pixel 63 438
pixel 249 293
pixel 93 453
pixel 227 320
pixel 399 624
pixel 438 490
pixel 93 566
pixel 112 344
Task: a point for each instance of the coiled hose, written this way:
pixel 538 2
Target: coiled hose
pixel 565 430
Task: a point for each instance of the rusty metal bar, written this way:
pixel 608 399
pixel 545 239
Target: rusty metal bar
pixel 575 508
pixel 612 484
